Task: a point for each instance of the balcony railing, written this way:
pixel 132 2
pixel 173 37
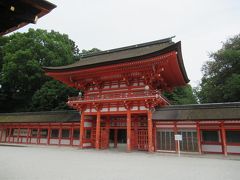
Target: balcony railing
pixel 122 95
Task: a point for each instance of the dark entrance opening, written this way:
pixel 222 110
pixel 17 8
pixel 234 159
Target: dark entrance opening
pixel 118 138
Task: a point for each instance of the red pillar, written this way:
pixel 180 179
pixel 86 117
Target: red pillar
pixel 150 132
pixel 48 135
pixel 199 138
pixel 115 138
pixel 81 130
pixel 224 144
pixel 175 132
pixel 18 135
pixel 60 135
pixel 98 124
pixel 128 130
pixel 71 136
pixel 28 134
pixel 9 135
pixel 1 130
pixel 38 136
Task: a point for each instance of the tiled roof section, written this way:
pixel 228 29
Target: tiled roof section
pixel 16 14
pixel 214 111
pixel 34 117
pixel 116 55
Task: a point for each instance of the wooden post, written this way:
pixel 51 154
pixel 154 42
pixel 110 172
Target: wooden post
pixel 48 135
pixel 115 138
pixel 224 144
pixel 38 134
pixel 1 134
pixel 150 132
pixel 8 134
pixel 128 130
pixel 60 134
pixel 98 124
pixel 81 130
pixel 18 135
pixel 199 138
pixel 71 136
pixel 28 134
pixel 175 133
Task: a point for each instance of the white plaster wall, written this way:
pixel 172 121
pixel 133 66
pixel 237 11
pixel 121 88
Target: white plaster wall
pixel 211 148
pixel 233 149
pixel 135 108
pixel 15 139
pixel 122 109
pixel 65 141
pixel 10 139
pixel 104 109
pixel 143 108
pixel 34 140
pixel 24 140
pixel 76 142
pixel 113 109
pixel 3 135
pixel 43 141
pixel 54 141
pixel 87 144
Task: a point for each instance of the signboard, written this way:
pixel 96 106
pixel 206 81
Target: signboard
pixel 178 137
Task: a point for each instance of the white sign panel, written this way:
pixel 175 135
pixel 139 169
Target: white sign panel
pixel 178 137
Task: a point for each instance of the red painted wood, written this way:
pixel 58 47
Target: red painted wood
pixel 224 144
pixel 81 130
pixel 150 132
pixel 98 124
pixel 128 130
pixel 199 139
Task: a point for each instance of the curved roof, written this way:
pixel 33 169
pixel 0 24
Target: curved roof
pixel 126 54
pixel 16 14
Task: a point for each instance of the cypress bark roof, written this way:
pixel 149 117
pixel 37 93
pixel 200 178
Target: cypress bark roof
pixel 16 14
pixel 126 54
pixel 213 111
pixel 34 117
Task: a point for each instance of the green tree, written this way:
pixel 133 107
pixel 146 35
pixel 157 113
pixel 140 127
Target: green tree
pixel 181 95
pixel 52 96
pixel 221 74
pixel 21 56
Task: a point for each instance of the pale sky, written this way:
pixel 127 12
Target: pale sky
pixel 201 25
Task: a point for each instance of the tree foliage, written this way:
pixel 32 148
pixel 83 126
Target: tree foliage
pixel 52 96
pixel 221 74
pixel 181 95
pixel 22 56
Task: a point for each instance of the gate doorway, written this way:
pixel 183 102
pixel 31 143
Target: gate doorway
pixel 118 139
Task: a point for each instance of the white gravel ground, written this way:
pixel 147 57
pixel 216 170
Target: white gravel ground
pixel 61 163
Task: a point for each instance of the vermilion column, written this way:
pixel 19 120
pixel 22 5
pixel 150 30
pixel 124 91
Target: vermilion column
pixel 224 144
pixel 81 130
pixel 98 130
pixel 175 133
pixel 128 130
pixel 150 132
pixel 199 139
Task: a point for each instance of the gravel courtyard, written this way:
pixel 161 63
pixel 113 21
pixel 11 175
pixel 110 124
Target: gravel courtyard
pixel 62 163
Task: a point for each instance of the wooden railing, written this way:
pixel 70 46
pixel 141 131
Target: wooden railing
pixel 122 95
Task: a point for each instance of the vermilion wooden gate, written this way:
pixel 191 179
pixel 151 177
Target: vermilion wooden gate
pixel 142 139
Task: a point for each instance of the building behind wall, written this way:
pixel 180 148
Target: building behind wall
pixel 123 103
